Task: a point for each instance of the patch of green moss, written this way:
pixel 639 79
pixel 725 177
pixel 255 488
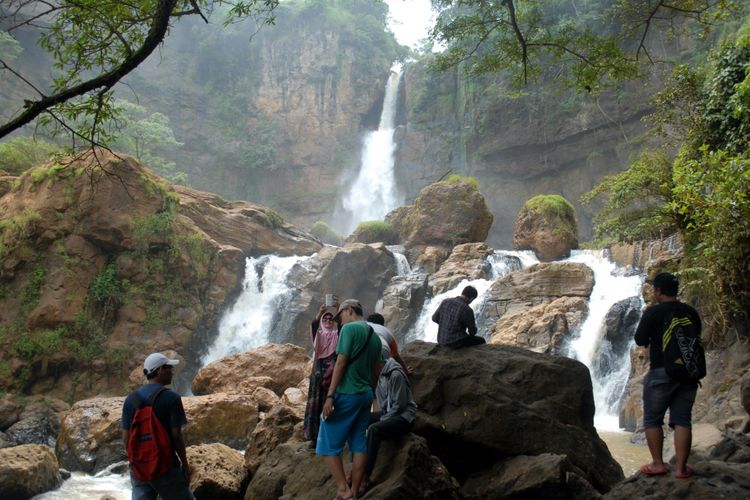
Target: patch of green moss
pixel 16 230
pixel 556 210
pixel 325 233
pixel 376 231
pixel 455 179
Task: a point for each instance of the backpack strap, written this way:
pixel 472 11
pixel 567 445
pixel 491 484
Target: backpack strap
pixel 364 346
pixel 156 393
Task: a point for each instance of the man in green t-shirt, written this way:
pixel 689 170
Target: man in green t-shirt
pixel 346 412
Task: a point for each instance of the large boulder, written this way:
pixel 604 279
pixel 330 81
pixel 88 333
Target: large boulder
pixel 466 261
pixel 280 425
pixel 445 214
pixel 218 471
pixel 546 476
pixel 541 328
pixel 483 404
pixel 620 324
pixel 541 283
pixel 90 438
pixel 223 418
pixel 10 411
pixel 712 480
pixel 27 470
pixel 404 469
pixel 547 225
pixel 356 271
pixel 403 300
pixel 273 366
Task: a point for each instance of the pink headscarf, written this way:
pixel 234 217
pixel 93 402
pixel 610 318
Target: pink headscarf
pixel 326 339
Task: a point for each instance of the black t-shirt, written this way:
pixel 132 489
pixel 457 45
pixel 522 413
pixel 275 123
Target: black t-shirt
pixel 653 323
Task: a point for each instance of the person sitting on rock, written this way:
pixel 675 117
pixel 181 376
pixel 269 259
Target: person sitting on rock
pixel 167 406
pixel 377 322
pixel 346 412
pixel 395 416
pixel 457 326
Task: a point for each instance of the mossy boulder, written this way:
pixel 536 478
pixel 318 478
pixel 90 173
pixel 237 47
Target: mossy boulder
pixel 547 225
pixel 446 214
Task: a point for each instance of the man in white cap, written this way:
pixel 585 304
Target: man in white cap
pixel 173 473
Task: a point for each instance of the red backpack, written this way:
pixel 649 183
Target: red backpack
pixel 149 444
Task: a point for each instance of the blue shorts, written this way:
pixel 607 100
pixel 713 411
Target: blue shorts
pixel 661 392
pixel 347 423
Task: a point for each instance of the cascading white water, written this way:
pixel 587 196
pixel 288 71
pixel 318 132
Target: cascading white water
pixel 502 263
pixel 248 322
pixel 610 287
pixel 373 194
pixel 402 263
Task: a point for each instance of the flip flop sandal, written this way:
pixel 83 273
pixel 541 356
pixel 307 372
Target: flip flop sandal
pixel 684 475
pixel 651 470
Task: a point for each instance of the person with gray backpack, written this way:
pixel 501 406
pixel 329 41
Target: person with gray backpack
pixel 672 330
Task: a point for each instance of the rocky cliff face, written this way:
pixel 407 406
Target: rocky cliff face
pixel 102 262
pixel 516 144
pixel 274 117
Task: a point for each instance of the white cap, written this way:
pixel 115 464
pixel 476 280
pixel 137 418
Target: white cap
pixel 156 360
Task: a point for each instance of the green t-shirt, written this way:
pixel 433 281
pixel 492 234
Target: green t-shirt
pixel 358 375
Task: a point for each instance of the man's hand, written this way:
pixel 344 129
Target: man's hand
pixel 327 408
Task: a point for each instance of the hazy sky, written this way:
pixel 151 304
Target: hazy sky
pixel 410 20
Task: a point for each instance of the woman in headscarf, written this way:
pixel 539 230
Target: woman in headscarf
pixel 325 335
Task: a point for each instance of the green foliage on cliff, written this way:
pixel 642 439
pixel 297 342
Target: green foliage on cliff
pixel 456 178
pixel 325 233
pixel 18 154
pixel 15 231
pixel 556 210
pixel 704 190
pixel 376 231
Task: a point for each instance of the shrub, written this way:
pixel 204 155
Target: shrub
pixel 18 154
pixel 455 178
pixel 325 233
pixel 376 231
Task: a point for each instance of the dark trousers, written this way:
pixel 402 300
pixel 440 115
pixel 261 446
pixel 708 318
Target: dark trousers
pixel 379 430
pixel 467 341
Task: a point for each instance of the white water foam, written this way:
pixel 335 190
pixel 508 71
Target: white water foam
pixel 248 322
pixel 610 287
pixel 374 193
pixel 502 262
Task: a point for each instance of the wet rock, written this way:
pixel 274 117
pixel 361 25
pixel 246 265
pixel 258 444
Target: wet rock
pixel 4 441
pixel 547 225
pixel 403 300
pixel 466 261
pixel 620 324
pixel 487 403
pixel 275 366
pixel 218 471
pixel 38 429
pixel 27 470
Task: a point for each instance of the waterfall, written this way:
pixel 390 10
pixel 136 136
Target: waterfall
pixel 610 287
pixel 373 194
pixel 248 323
pixel 501 262
pixel 402 263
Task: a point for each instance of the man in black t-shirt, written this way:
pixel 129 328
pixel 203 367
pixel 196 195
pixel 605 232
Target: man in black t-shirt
pixel 659 390
pixel 457 326
pixel 175 484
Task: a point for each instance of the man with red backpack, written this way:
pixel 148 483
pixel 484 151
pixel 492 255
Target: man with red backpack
pixel 151 423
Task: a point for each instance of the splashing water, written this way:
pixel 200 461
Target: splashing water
pixel 610 286
pixel 402 263
pixel 249 321
pixel 373 194
pixel 502 262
